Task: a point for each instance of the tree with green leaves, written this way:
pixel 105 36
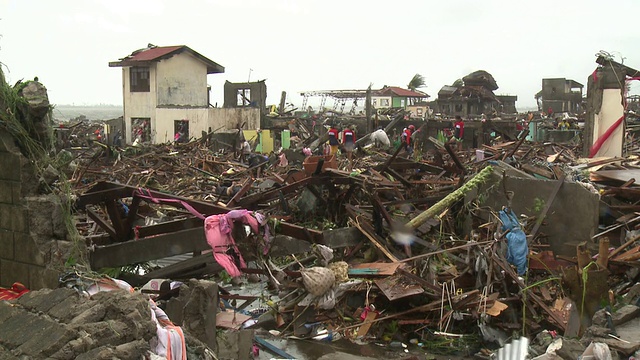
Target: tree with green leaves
pixel 417 81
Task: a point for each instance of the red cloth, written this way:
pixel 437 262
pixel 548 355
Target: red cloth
pixel 459 129
pixel 406 136
pixel 15 291
pixel 333 136
pixel 348 135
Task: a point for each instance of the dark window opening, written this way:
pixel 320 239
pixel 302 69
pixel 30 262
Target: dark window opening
pixel 141 129
pixel 181 131
pixel 139 79
pixel 458 108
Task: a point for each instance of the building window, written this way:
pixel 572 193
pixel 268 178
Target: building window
pixel 384 102
pixel 141 129
pixel 244 97
pixel 181 131
pixel 139 79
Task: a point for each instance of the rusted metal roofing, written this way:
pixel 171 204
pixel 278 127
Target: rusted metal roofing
pixel 157 53
pixel 153 53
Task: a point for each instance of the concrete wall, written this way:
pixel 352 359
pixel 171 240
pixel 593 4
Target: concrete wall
pixel 571 219
pixel 257 94
pixel 138 104
pixel 201 119
pixel 232 118
pixel 181 81
pixel 610 112
pixel 29 224
pixel 165 117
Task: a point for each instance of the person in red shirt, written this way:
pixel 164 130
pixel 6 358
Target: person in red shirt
pixel 406 139
pixel 349 143
pixel 334 143
pixel 458 131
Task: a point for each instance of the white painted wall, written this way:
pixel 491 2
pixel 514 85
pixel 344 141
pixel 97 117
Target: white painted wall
pixel 138 104
pixel 610 112
pixel 182 81
pixel 376 101
pixel 165 118
pixel 200 119
pixel 229 118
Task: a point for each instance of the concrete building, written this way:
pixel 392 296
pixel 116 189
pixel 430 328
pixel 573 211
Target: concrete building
pixel 508 104
pixel 473 95
pixel 561 95
pixel 165 91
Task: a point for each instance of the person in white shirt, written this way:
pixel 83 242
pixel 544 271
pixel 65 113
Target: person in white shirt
pixel 380 139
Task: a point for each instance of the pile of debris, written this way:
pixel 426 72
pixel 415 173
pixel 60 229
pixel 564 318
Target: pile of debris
pixel 450 252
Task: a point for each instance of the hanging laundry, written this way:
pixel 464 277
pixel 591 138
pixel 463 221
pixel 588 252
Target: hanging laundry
pixel 218 233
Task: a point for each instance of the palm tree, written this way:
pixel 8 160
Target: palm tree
pixel 417 81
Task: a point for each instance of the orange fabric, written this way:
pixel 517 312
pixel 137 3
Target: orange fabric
pixel 15 291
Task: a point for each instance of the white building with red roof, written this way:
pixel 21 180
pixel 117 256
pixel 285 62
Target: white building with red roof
pixel 165 91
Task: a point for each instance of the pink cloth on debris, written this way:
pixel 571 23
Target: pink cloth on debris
pixel 217 230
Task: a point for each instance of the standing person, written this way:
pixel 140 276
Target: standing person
pixel 117 139
pixel 406 139
pixel 349 143
pixel 246 151
pixel 334 143
pixel 550 112
pixel 458 131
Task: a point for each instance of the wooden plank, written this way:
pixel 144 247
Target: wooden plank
pixel 113 209
pixel 239 194
pixel 174 270
pixel 398 287
pixel 380 269
pixel 274 193
pixel 538 171
pixel 150 248
pixel 366 325
pixel 170 226
pixel 102 223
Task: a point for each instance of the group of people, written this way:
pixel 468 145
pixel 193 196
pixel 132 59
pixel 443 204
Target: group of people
pixel 347 140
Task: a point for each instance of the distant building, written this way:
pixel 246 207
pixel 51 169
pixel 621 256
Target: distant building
pixel 561 95
pixel 396 97
pixel 507 104
pixel 473 95
pixel 165 92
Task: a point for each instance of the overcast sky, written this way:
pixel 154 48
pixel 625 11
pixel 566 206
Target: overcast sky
pixel 317 45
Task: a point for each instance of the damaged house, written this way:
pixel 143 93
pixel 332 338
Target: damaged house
pixel 560 95
pixel 473 95
pixel 165 93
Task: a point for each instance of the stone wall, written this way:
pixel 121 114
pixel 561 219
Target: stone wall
pixel 30 225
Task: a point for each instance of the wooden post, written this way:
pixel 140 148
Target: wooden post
pixel 283 99
pixel 367 110
pixel 603 253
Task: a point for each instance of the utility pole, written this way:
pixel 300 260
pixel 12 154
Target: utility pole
pixel 367 110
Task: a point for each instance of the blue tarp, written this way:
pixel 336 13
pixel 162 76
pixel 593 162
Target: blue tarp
pixel 516 240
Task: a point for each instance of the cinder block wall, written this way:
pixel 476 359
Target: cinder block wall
pixel 28 229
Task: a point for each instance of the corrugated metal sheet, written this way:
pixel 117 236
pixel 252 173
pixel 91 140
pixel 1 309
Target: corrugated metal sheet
pixel 516 350
pixel 173 259
pixel 153 53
